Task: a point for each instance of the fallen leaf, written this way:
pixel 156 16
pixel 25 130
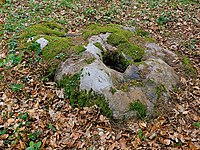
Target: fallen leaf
pixel 122 143
pixel 111 147
pixel 10 121
pixel 192 146
pixel 1 143
pixel 166 142
pixel 60 93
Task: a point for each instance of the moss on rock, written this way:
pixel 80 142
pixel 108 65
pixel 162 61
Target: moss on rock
pixel 44 28
pixel 139 108
pixel 124 45
pixel 79 49
pixel 98 45
pixel 134 51
pixel 56 46
pixel 95 29
pixel 125 86
pixel 117 39
pixel 120 38
pixel 59 47
pixel 83 98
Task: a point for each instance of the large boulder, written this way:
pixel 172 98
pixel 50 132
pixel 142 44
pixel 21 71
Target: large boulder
pixel 146 81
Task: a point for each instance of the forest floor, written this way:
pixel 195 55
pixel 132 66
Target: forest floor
pixel 35 116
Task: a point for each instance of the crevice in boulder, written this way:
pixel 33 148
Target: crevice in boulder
pixel 115 60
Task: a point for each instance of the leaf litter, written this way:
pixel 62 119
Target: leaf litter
pixel 34 110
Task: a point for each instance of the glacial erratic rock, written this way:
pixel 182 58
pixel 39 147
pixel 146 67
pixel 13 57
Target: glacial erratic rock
pixel 146 81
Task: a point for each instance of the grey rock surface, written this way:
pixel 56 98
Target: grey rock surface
pixel 119 88
pixel 96 76
pixel 159 71
pixel 43 42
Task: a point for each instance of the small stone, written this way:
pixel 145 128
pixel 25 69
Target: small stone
pixel 43 42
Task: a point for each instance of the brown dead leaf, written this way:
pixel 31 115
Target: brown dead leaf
pixel 165 141
pixel 10 121
pixel 152 136
pixel 180 108
pixel 80 144
pixel 75 135
pixel 192 146
pixel 163 133
pixel 111 147
pixel 21 145
pixel 136 142
pixel 143 124
pixel 21 129
pixel 1 143
pixel 122 143
pixel 4 136
pixel 195 117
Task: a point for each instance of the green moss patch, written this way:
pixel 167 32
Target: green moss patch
pixel 79 49
pixel 139 107
pixel 83 98
pixel 56 46
pixel 59 47
pixel 141 32
pixel 98 45
pixel 91 60
pixel 117 39
pixel 160 89
pixel 44 28
pixel 122 43
pixel 134 51
pixel 95 29
pixel 189 69
pixel 131 44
